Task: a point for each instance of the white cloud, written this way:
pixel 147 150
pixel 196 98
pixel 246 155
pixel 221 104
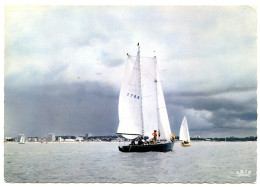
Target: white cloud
pixel 204 37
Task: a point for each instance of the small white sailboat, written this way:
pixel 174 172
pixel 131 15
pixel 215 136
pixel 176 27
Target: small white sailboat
pixel 184 133
pixel 22 140
pixel 142 110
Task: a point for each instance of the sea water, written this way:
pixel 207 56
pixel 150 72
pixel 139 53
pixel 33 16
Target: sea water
pixel 101 162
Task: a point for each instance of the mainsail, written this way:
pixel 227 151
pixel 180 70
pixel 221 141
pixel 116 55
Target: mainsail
pixel 141 106
pixel 184 130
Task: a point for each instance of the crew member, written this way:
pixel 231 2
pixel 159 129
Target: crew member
pixel 141 141
pixel 154 136
pixel 173 137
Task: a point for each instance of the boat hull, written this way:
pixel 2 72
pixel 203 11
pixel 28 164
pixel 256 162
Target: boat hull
pixel 185 144
pixel 160 147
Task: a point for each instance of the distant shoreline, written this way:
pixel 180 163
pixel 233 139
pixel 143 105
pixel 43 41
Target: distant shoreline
pixel 13 142
pixel 62 142
pixel 81 139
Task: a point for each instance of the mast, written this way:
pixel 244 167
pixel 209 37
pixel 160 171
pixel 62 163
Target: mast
pixel 139 64
pixel 156 82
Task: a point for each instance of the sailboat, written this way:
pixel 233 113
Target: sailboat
pixel 142 108
pixel 22 140
pixel 184 133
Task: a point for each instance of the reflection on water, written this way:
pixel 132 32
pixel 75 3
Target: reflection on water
pixel 203 162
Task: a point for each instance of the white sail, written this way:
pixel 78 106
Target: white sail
pixel 141 106
pixel 164 124
pixel 22 140
pixel 184 130
pixel 149 96
pixel 129 107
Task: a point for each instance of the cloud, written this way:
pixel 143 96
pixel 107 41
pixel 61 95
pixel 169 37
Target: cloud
pixel 64 65
pixel 63 109
pixel 226 110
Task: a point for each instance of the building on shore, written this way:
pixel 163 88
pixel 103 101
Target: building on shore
pixel 69 140
pixel 9 139
pixel 32 139
pixel 79 139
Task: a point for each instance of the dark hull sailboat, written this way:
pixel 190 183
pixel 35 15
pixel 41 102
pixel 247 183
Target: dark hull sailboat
pixel 159 147
pixel 141 106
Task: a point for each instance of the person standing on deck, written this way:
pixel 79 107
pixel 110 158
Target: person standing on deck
pixel 141 141
pixel 155 136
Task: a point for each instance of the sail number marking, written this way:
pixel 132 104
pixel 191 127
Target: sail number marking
pixel 133 95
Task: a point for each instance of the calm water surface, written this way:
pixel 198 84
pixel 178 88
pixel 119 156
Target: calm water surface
pixel 203 162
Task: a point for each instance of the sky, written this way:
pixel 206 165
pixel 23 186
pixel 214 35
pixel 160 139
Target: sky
pixel 64 65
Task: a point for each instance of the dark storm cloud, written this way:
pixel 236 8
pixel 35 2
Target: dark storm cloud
pixel 224 111
pixel 217 91
pixel 90 107
pixel 210 104
pixel 65 109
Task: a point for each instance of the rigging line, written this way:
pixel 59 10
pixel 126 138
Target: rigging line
pixel 148 72
pixel 143 67
pixel 132 60
pixel 152 75
pixel 141 56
